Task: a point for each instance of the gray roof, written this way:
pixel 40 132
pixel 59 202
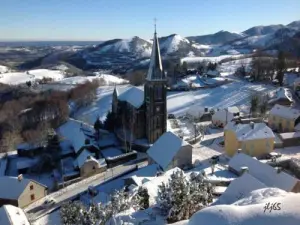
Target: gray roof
pixel 155 71
pixel 12 188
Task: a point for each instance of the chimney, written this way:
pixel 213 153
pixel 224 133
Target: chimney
pixel 279 169
pixel 243 170
pixel 252 124
pixel 20 177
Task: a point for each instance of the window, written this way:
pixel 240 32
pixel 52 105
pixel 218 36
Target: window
pixel 157 122
pixel 94 167
pixel 32 197
pixel 159 92
pixel 31 187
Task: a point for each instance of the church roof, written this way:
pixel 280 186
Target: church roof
pixel 155 71
pixel 132 95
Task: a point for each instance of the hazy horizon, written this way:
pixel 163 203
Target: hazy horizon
pixel 91 20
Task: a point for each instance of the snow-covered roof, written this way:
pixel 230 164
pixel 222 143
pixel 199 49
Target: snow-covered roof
pixel 12 188
pixel 285 112
pixel 252 212
pixel 82 158
pixel 143 174
pixel 281 93
pixel 195 110
pixel 297 81
pixel 11 215
pixel 250 131
pixel 133 95
pixel 213 72
pixel 26 162
pixel 263 172
pixel 3 165
pixel 239 188
pixel 165 148
pixel 233 109
pixel 72 130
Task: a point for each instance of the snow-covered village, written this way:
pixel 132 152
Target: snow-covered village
pixel 182 130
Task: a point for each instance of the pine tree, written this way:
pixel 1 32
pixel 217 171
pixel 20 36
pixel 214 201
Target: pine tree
pixel 143 198
pixel 280 67
pixel 97 127
pixel 254 102
pixel 70 213
pixel 109 122
pixel 182 197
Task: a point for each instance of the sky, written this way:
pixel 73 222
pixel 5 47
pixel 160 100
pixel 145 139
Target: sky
pixel 98 20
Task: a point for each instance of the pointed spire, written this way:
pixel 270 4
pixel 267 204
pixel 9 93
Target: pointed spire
pixel 155 71
pixel 116 90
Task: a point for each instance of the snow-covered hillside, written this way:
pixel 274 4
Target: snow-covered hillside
pixel 16 78
pixel 135 45
pixel 171 43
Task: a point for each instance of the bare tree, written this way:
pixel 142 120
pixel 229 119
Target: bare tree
pixel 124 131
pixel 9 141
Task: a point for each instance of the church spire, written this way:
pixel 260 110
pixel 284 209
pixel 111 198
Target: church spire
pixel 155 71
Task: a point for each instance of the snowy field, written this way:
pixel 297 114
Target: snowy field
pixel 232 94
pixel 16 78
pixel 3 69
pixel 208 58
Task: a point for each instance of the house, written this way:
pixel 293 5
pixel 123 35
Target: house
pixel 282 96
pixel 11 215
pixel 284 119
pixel 222 116
pixel 170 151
pixel 296 85
pixel 290 139
pixel 213 73
pixel 265 173
pixel 19 191
pixel 73 132
pixel 239 188
pixel 143 111
pixel 89 163
pixel 254 139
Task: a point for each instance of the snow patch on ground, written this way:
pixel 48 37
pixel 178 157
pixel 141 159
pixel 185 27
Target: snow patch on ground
pixel 3 69
pixel 17 78
pixel 207 58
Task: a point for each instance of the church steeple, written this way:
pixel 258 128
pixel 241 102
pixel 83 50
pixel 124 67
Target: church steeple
pixel 155 71
pixel 155 96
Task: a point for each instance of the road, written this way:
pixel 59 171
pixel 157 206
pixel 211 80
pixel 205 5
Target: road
pixel 38 209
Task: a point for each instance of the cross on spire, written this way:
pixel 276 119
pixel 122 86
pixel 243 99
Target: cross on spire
pixel 155 20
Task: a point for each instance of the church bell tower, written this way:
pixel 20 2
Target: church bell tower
pixel 155 95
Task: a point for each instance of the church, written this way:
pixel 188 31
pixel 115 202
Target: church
pixel 142 111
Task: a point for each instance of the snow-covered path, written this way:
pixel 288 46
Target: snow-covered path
pixel 36 211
